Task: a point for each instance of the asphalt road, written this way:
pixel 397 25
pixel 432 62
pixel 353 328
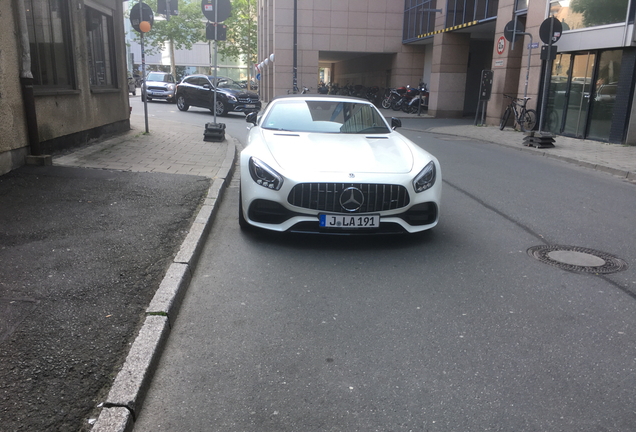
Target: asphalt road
pixel 455 329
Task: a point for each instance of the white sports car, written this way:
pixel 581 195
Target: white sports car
pixel 332 164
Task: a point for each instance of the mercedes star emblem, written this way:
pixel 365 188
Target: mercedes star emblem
pixel 351 199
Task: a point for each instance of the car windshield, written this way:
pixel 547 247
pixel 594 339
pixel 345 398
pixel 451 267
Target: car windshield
pixel 159 77
pixel 325 116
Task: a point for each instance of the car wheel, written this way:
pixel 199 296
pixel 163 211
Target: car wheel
pixel 221 109
pixel 181 103
pixel 245 226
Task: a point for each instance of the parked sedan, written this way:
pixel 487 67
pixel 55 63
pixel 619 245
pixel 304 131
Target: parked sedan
pixel 198 90
pixel 332 164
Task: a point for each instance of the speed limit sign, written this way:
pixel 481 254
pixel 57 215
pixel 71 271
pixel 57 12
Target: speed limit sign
pixel 501 45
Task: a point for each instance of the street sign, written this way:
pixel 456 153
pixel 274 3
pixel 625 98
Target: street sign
pixel 501 45
pixel 223 12
pixel 510 29
pixel 214 31
pixel 544 30
pixel 146 15
pixel 168 7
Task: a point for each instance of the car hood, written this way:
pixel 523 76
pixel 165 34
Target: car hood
pixel 316 152
pixel 239 93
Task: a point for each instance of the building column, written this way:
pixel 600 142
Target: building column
pixel 448 74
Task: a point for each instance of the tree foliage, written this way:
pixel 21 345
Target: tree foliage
pixel 179 32
pixel 241 43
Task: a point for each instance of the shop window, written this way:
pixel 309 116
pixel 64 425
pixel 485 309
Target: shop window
pixel 100 38
pixel 49 38
pixel 605 90
pixel 578 14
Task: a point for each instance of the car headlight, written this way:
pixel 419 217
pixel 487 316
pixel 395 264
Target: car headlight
pixel 171 87
pixel 231 98
pixel 425 179
pixel 264 175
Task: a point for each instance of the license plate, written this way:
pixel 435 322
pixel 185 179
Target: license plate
pixel 250 106
pixel 349 221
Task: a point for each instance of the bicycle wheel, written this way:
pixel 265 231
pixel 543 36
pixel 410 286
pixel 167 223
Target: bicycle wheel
pixel 528 120
pixel 504 118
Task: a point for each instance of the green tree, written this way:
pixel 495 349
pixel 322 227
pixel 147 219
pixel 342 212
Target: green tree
pixel 596 12
pixel 178 32
pixel 241 43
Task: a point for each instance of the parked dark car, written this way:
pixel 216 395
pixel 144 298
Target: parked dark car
pixel 160 85
pixel 198 90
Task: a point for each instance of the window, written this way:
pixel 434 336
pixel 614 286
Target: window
pixel 578 14
pixel 50 43
pixel 101 49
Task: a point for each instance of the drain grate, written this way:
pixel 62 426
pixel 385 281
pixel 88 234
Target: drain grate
pixel 578 259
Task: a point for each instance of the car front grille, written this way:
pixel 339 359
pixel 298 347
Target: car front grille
pixel 153 88
pixel 247 100
pixel 327 197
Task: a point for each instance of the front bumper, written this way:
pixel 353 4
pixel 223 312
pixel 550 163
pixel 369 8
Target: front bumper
pixel 245 107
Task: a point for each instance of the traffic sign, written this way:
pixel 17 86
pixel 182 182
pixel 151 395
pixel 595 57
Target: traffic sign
pixel 223 11
pixel 510 29
pixel 544 30
pixel 501 45
pixel 136 17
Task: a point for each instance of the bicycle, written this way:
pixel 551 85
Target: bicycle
pixel 526 118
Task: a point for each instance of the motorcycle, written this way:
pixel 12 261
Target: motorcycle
pixel 406 94
pixel 418 101
pixel 372 95
pixel 391 96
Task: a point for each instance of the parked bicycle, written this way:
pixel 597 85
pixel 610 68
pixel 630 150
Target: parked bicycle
pixel 526 118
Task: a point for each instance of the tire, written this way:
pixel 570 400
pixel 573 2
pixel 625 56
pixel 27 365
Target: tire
pixel 221 109
pixel 181 103
pixel 406 107
pixel 386 103
pixel 396 105
pixel 528 120
pixel 504 119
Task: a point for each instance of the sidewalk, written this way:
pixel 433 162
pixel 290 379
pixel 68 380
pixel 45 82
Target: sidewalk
pixel 616 159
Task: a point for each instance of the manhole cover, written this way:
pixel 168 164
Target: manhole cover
pixel 578 259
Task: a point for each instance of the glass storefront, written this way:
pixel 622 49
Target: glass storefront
pixel 582 94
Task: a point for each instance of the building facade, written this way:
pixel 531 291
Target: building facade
pixel 62 76
pixel 589 86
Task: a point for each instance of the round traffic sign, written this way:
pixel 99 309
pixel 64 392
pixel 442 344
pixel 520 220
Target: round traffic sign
pixel 544 30
pixel 223 10
pixel 137 18
pixel 510 29
pixel 501 45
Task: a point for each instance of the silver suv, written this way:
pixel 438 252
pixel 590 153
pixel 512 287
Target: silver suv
pixel 159 85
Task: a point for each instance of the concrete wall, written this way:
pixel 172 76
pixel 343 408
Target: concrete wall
pixel 353 26
pixel 13 132
pixel 65 118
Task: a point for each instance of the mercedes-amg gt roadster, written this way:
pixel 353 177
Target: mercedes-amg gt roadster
pixel 332 164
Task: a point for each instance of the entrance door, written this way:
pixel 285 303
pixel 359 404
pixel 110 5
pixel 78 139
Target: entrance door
pixel 578 100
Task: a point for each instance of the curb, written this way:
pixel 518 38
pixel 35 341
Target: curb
pixel 126 396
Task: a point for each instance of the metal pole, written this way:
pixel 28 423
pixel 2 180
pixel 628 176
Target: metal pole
pixel 546 78
pixel 143 68
pixel 216 79
pixel 295 82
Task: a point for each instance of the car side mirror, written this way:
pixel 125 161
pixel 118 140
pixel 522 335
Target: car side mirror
pixel 251 118
pixel 207 86
pixel 395 123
